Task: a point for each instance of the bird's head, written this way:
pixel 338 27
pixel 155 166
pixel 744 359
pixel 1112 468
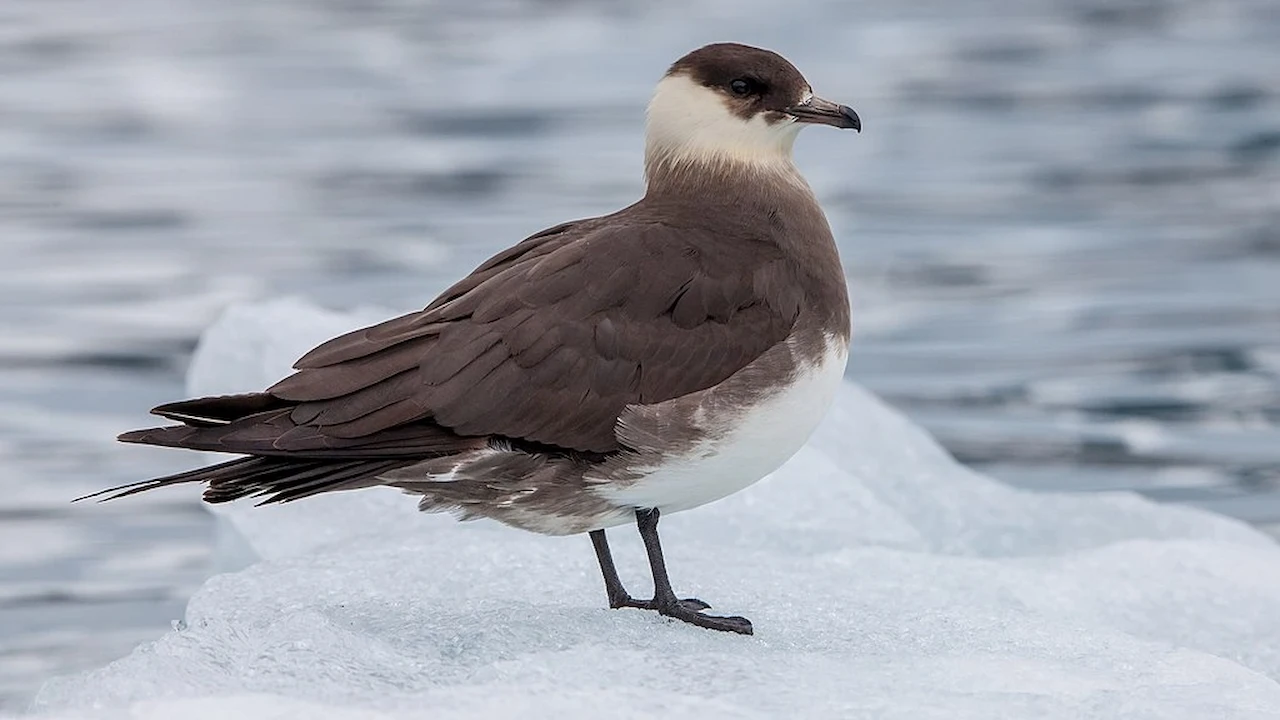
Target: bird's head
pixel 730 104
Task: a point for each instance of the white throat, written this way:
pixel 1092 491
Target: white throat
pixel 692 124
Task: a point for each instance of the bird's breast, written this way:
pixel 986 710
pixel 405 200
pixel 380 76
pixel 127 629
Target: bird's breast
pixel 715 442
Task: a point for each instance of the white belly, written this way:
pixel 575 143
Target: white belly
pixel 759 442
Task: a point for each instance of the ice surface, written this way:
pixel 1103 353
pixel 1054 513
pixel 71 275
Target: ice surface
pixel 884 580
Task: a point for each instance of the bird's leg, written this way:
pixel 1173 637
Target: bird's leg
pixel 664 598
pixel 618 596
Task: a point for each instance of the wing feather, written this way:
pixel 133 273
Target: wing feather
pixel 547 342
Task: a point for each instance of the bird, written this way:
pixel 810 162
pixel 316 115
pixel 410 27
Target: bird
pixel 602 372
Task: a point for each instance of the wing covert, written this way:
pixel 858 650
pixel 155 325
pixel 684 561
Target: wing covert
pixel 549 341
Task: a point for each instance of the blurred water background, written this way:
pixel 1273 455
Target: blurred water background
pixel 1060 226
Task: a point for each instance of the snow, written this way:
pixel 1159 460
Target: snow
pixel 884 581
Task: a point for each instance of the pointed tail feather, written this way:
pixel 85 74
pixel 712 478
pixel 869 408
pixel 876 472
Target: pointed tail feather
pixel 278 479
pixel 231 468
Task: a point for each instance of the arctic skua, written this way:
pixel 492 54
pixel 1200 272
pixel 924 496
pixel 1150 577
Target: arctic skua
pixel 600 372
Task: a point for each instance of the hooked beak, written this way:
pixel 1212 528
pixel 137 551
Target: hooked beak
pixel 825 112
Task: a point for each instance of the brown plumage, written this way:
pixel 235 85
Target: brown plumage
pixel 545 343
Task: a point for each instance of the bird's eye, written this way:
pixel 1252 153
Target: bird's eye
pixel 743 86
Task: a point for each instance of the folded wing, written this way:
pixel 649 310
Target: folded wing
pixel 545 344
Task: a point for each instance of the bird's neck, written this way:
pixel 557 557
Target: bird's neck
pixel 664 157
pixel 723 179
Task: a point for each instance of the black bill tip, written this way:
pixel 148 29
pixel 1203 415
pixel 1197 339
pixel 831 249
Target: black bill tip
pixel 851 119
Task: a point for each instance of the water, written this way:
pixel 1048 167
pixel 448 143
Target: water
pixel 1060 226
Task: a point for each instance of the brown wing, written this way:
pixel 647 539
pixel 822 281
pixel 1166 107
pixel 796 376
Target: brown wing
pixel 550 340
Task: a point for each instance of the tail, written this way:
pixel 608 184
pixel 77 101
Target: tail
pixel 275 479
pixel 286 460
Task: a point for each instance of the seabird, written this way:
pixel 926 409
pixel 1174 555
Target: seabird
pixel 600 372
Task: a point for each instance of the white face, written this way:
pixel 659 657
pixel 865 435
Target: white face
pixel 691 123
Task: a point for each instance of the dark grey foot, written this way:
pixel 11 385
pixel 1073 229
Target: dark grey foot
pixel 682 610
pixel 689 610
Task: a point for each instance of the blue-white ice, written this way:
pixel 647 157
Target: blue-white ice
pixel 884 580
